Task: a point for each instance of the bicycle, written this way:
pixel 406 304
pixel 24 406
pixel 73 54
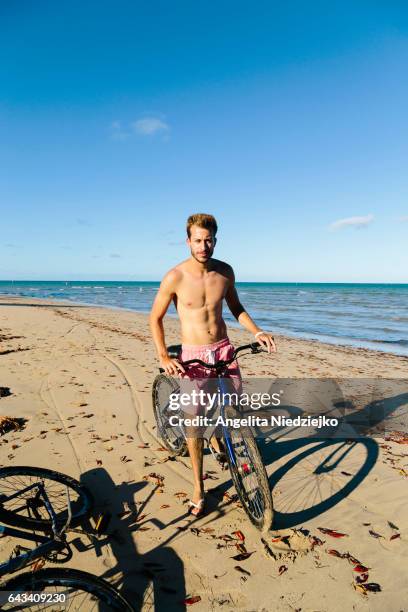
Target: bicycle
pixel 41 499
pixel 244 460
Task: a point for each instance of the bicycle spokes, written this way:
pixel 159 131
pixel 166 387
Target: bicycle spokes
pixel 246 473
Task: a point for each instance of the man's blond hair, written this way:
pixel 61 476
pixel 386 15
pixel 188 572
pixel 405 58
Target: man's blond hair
pixel 202 220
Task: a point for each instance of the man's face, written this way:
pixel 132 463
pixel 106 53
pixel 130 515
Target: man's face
pixel 201 243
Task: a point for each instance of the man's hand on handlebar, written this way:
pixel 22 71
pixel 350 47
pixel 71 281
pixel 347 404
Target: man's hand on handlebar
pixel 267 341
pixel 172 367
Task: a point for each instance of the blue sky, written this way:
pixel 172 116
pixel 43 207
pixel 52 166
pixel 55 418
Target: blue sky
pixel 286 120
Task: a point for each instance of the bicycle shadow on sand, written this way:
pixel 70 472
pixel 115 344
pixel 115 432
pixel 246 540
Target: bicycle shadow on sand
pixel 153 580
pixel 317 472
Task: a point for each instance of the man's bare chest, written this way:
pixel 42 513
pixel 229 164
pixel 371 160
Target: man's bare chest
pixel 193 293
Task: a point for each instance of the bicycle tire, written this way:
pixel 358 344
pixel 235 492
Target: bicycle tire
pixel 103 595
pixel 81 502
pixel 163 386
pixel 259 509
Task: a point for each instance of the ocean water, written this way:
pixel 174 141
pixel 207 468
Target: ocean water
pixel 366 315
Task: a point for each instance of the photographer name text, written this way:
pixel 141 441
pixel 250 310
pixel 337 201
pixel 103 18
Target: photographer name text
pixel 253 421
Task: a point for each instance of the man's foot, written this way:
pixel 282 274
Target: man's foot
pixel 196 508
pixel 196 503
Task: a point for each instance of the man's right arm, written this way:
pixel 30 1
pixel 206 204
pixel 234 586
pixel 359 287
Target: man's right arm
pixel 160 305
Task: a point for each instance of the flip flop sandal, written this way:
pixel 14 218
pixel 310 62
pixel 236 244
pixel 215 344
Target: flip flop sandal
pixel 196 509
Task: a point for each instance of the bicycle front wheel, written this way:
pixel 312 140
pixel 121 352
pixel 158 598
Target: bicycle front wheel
pixel 172 437
pixel 28 509
pixel 248 473
pixel 64 589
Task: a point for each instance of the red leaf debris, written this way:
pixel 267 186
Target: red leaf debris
pixel 189 601
pixel 332 532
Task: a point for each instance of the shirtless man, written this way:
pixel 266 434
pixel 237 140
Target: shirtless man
pixel 198 286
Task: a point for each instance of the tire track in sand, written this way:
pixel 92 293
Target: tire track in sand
pixel 46 388
pixel 143 432
pixel 140 426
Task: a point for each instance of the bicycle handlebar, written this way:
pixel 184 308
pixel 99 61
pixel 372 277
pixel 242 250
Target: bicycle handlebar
pixel 255 347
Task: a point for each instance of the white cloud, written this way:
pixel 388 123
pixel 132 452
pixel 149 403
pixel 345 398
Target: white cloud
pixel 357 222
pixel 149 126
pixel 403 219
pixel 146 126
pixel 115 255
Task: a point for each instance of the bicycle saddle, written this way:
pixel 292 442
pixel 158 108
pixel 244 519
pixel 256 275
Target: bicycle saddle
pixel 174 350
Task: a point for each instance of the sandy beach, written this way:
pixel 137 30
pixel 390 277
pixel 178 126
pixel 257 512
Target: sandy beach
pixel 82 376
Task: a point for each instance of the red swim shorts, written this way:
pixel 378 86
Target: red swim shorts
pixel 203 378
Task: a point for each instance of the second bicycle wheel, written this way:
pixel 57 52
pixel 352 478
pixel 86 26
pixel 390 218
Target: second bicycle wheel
pixel 27 509
pixel 248 473
pixel 172 437
pixel 64 589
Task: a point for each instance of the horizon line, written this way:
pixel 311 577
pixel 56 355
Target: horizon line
pixel 237 282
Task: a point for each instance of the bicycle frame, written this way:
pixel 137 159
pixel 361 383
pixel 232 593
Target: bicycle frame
pixel 47 544
pixel 225 431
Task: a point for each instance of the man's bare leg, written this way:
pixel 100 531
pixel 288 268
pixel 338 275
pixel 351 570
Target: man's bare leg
pixel 195 448
pixel 217 444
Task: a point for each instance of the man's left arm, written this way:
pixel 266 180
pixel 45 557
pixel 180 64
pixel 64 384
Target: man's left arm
pixel 245 320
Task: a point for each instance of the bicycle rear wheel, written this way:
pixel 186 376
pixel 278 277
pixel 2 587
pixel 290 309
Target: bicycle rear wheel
pixel 172 437
pixel 28 510
pixel 248 473
pixel 83 592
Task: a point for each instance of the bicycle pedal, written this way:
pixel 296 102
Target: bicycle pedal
pixel 102 522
